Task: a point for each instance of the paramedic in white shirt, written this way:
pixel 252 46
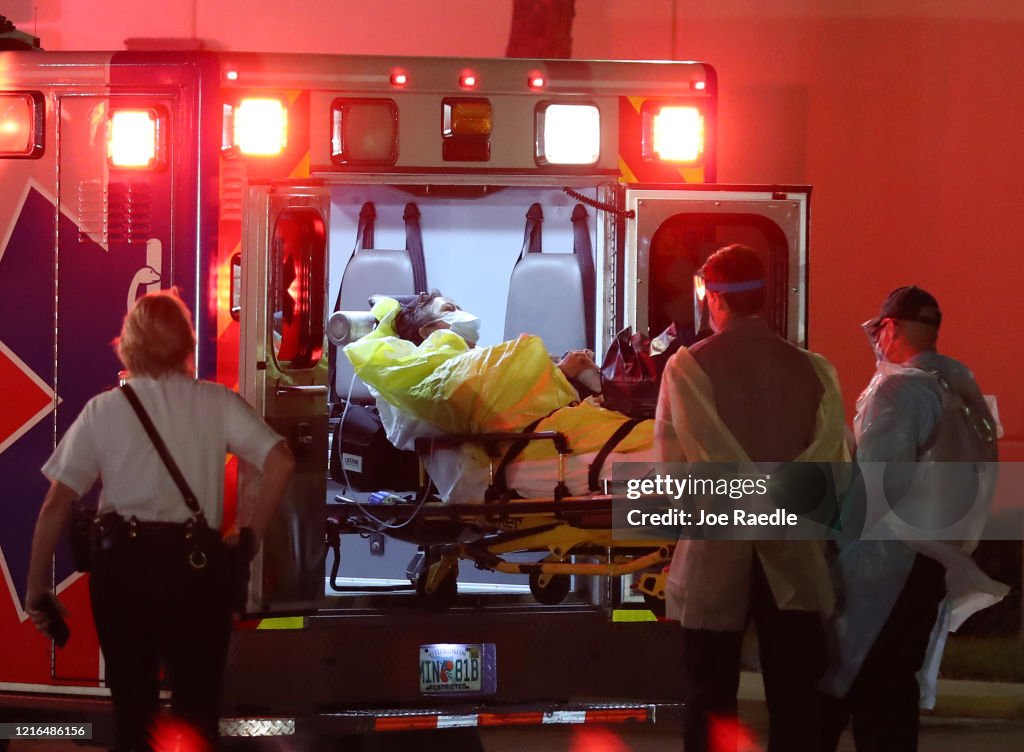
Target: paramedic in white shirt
pixel 150 605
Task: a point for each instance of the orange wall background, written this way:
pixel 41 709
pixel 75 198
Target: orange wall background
pixel 905 117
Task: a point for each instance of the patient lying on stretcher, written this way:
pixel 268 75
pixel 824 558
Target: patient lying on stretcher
pixel 430 379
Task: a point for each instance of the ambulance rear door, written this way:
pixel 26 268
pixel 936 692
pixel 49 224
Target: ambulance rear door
pixel 675 229
pixel 280 297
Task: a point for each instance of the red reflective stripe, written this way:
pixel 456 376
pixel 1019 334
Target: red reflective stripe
pixel 511 719
pixel 421 722
pixel 405 722
pixel 621 715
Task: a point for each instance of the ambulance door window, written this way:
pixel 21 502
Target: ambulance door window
pixel 683 243
pixel 298 248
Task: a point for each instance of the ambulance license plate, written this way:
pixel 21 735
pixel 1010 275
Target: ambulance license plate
pixel 458 669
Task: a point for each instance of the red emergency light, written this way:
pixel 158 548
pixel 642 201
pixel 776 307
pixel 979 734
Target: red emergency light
pixel 21 125
pixel 468 80
pixel 135 138
pixel 536 81
pixel 673 132
pixel 399 78
pixel 256 126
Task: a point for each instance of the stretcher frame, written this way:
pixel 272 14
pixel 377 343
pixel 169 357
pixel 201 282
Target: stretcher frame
pixel 564 528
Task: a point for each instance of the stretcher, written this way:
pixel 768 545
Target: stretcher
pixel 572 534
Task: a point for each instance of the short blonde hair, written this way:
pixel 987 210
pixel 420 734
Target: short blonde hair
pixel 157 336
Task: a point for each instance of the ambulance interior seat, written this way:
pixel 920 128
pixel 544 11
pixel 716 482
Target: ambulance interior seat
pixel 552 295
pixel 371 271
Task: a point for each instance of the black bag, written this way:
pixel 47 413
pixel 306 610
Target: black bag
pixel 631 371
pixel 362 458
pixel 629 378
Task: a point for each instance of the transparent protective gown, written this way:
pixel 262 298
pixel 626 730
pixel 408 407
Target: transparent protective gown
pixel 933 502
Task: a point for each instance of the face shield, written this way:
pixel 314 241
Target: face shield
pixel 700 303
pixel 701 288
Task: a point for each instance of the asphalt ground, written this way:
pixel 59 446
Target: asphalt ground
pixel 969 717
pixel 937 735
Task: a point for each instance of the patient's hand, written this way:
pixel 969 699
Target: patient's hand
pixel 576 362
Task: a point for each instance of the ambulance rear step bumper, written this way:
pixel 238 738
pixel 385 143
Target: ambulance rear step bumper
pixel 468 716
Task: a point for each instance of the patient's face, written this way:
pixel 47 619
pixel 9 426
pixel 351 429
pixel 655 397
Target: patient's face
pixel 440 306
pixel 447 315
pixel 437 308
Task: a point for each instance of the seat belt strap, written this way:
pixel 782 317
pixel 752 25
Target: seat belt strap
pixel 414 244
pixel 532 235
pixel 581 246
pixel 594 472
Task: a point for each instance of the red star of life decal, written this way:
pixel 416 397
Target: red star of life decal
pixel 27 398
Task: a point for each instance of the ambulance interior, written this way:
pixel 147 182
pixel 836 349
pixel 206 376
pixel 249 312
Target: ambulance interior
pixel 472 237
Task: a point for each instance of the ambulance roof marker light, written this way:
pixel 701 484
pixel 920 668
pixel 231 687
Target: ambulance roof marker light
pixel 468 80
pixel 231 75
pixel 399 78
pixel 699 85
pixel 537 81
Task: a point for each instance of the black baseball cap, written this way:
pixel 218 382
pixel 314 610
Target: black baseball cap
pixel 910 303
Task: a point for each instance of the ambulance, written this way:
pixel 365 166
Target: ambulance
pixel 244 180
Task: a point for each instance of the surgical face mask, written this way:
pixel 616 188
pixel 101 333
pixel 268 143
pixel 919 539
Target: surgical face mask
pixel 466 325
pixel 874 335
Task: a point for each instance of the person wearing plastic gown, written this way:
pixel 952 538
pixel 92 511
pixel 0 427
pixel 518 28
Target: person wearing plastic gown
pixel 925 440
pixel 715 407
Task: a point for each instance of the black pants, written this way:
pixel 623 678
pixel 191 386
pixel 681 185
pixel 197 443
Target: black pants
pixel 151 608
pixel 792 649
pixel 884 698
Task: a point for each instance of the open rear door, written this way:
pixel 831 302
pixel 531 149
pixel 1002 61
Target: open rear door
pixel 283 374
pixel 677 228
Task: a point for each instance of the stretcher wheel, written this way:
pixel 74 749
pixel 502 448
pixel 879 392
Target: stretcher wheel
pixel 553 592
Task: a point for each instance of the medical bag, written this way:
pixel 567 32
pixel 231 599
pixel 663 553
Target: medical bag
pixel 363 459
pixel 631 371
